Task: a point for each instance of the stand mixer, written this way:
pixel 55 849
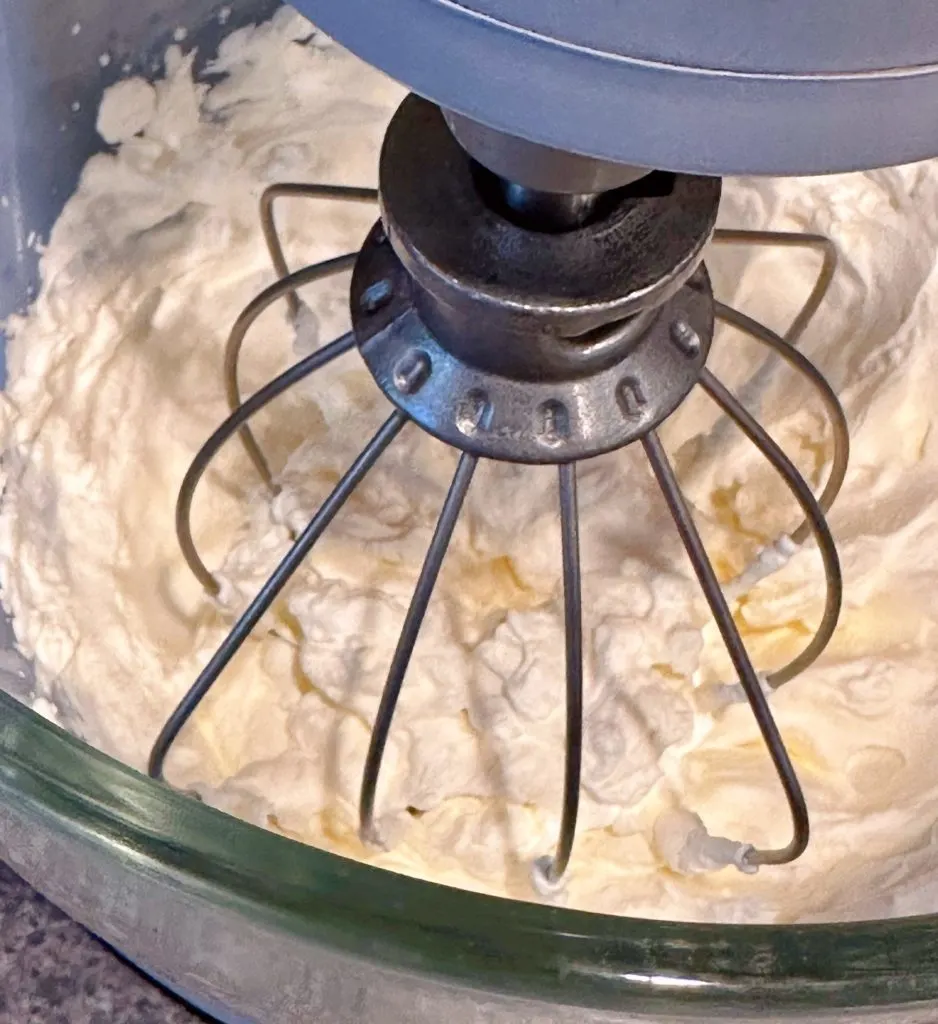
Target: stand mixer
pixel 538 304
pixel 534 292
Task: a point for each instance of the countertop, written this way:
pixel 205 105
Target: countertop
pixel 52 971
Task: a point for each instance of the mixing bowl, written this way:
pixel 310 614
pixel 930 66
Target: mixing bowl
pixel 254 927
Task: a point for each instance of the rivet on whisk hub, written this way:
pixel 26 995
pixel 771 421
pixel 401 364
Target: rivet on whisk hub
pixel 685 338
pixel 412 371
pixel 553 423
pixel 376 296
pixel 474 413
pixel 631 397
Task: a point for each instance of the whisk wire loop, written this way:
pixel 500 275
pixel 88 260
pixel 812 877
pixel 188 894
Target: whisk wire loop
pixel 286 380
pixel 835 413
pixel 792 240
pixel 284 287
pixel 293 190
pixel 706 576
pixel 416 612
pixel 272 588
pixel 814 516
pixel 573 642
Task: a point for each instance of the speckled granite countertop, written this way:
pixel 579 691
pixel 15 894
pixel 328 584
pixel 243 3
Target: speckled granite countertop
pixel 54 972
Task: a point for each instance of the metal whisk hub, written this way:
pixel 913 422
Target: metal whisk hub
pixel 619 385
pixel 527 344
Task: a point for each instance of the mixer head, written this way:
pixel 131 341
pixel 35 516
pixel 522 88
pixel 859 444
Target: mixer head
pixel 725 87
pixel 538 307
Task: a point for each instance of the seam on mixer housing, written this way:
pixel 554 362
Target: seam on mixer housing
pixel 911 71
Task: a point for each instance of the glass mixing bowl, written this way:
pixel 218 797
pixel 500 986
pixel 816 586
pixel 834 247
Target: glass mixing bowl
pixel 254 927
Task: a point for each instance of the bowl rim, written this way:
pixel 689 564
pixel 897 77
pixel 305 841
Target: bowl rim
pixel 488 943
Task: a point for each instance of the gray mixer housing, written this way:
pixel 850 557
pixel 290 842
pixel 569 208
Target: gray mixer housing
pixel 701 86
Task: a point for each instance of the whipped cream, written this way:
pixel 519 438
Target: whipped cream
pixel 115 381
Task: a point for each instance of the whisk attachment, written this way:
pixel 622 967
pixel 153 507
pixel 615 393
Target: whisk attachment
pixel 535 346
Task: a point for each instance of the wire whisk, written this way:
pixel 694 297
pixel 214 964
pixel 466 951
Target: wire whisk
pixel 549 871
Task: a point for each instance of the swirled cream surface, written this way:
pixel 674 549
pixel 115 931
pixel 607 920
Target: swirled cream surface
pixel 115 380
